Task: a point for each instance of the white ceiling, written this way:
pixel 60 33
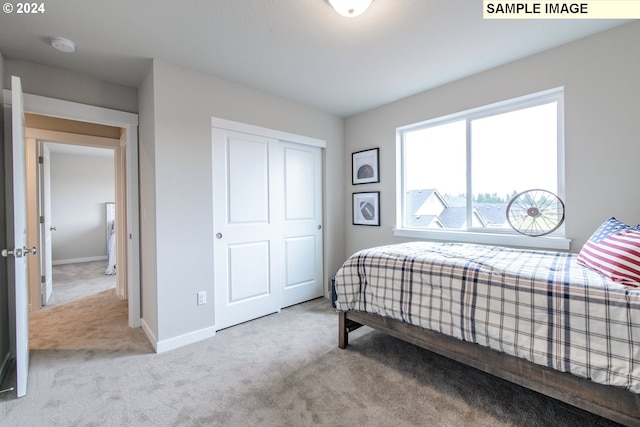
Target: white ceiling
pixel 297 49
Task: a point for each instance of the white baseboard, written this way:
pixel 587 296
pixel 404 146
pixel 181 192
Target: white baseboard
pixel 150 335
pixel 75 260
pixel 186 339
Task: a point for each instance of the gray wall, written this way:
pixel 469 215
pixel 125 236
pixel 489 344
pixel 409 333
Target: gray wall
pixel 53 82
pixel 602 110
pixel 80 187
pixel 176 168
pixel 146 172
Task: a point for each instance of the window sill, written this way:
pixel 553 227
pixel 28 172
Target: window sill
pixel 543 242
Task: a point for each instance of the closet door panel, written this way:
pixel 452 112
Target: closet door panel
pixel 302 223
pixel 248 283
pixel 267 224
pixel 248 181
pixel 247 247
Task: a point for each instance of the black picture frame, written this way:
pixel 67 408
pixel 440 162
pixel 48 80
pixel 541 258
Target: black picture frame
pixel 366 208
pixel 365 166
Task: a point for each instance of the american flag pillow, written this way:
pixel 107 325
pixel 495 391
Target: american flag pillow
pixel 615 255
pixel 611 226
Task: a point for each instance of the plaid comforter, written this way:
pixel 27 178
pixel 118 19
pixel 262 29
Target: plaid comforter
pixel 540 306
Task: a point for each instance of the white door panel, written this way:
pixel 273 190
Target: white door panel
pixel 246 248
pixel 17 237
pixel 300 196
pixel 300 260
pixel 302 223
pixel 248 180
pixel 267 225
pixel 248 283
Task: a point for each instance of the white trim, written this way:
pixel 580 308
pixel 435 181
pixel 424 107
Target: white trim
pixel 477 234
pixel 52 107
pixel 270 133
pixel 186 339
pixel 524 101
pixel 150 335
pixel 45 106
pixel 76 260
pixel 551 243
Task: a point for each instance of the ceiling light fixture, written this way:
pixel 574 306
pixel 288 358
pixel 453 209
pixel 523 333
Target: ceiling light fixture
pixel 62 44
pixel 350 8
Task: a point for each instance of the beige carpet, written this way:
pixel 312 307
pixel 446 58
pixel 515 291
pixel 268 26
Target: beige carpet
pixel 77 280
pixel 95 323
pixel 285 369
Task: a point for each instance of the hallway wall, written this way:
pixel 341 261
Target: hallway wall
pixel 80 187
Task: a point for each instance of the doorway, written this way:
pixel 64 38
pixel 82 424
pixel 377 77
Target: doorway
pixel 70 194
pixel 44 134
pixel 126 160
pixel 127 156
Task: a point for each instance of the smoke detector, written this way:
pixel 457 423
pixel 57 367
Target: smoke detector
pixel 62 44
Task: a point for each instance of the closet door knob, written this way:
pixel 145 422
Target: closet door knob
pixel 218 235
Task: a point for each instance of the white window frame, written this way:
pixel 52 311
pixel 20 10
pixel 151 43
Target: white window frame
pixel 554 241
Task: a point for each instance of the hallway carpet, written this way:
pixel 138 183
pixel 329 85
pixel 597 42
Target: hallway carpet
pixel 76 280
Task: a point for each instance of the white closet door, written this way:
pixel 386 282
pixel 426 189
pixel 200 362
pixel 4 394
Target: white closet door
pixel 247 172
pixel 302 223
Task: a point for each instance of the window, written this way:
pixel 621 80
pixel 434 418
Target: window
pixel 457 174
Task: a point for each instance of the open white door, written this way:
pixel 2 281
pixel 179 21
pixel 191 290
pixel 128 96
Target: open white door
pixel 46 285
pixel 17 237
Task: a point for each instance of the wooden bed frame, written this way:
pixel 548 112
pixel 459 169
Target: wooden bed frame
pixel 610 402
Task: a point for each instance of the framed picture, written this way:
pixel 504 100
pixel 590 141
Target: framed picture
pixel 365 166
pixel 366 208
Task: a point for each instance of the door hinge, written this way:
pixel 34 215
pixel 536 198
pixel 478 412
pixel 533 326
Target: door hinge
pixel 40 160
pixel 43 279
pixel 42 219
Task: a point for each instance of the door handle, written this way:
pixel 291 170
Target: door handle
pixel 52 229
pixel 218 235
pixel 10 252
pixel 19 252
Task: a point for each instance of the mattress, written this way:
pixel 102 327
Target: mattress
pixel 538 305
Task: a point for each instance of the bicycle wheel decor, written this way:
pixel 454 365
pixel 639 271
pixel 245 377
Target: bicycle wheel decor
pixel 535 212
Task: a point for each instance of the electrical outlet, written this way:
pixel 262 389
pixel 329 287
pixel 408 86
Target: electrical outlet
pixel 202 297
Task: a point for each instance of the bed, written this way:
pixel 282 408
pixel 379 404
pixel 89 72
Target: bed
pixel 539 319
pixel 110 215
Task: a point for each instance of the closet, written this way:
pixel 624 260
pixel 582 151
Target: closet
pixel 267 195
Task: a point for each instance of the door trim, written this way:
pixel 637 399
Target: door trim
pixel 266 132
pixel 45 106
pixel 44 136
